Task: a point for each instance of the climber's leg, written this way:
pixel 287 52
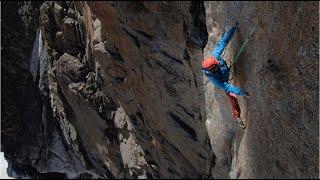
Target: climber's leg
pixel 234 105
pixel 235 109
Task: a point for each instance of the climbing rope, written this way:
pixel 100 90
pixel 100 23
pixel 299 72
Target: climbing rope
pixel 234 60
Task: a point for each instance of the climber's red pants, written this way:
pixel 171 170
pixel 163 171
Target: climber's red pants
pixel 234 105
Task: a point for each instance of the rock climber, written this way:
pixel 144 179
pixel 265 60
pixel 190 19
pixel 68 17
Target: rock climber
pixel 216 69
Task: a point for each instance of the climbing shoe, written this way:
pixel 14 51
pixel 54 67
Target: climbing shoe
pixel 241 124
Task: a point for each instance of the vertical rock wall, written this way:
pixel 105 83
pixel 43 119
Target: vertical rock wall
pixel 21 105
pixel 129 92
pixel 121 93
pixel 279 69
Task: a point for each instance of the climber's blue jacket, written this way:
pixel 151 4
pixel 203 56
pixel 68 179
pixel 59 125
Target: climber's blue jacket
pixel 220 78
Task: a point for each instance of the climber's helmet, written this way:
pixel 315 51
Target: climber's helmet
pixel 210 64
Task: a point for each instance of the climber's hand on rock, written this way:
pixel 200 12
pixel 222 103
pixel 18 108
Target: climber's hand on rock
pixel 237 25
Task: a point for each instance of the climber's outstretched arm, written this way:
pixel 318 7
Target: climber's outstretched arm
pixel 224 85
pixel 232 89
pixel 223 42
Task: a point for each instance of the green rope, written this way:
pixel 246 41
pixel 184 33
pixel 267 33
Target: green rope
pixel 241 49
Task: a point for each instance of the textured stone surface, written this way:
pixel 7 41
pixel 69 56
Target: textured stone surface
pixel 21 129
pixel 149 73
pixel 279 69
pixel 124 96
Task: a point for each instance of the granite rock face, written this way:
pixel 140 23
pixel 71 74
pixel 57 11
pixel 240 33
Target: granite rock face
pixel 121 93
pixel 126 96
pixel 21 105
pixel 279 69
